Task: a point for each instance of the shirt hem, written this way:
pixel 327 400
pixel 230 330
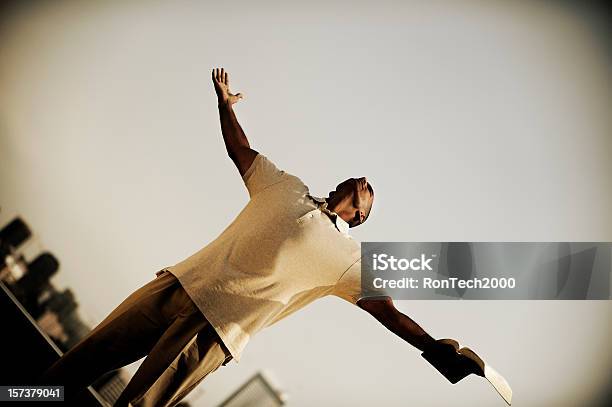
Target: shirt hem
pixel 211 317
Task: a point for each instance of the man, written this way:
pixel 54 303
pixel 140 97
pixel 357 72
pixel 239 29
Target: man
pixel 284 250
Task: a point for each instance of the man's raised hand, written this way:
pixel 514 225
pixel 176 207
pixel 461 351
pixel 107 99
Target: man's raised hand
pixel 221 81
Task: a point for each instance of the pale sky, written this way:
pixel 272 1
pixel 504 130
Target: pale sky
pixel 474 121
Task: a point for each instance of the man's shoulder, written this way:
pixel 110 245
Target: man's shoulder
pixel 289 182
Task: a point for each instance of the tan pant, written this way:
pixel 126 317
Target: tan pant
pixel 158 320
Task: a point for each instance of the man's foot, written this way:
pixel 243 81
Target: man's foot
pixel 221 81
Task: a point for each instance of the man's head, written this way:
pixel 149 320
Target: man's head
pixel 352 200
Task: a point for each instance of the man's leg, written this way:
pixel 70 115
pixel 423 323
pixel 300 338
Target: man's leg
pixel 204 354
pixel 188 322
pixel 126 335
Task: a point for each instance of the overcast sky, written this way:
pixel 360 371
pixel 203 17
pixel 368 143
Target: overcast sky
pixel 474 121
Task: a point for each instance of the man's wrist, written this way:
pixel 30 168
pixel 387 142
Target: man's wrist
pixel 223 103
pixel 426 342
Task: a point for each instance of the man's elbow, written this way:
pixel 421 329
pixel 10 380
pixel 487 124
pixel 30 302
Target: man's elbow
pixel 382 309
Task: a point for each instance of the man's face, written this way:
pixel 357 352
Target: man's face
pixel 353 198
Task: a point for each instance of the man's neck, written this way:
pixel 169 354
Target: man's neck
pixel 335 207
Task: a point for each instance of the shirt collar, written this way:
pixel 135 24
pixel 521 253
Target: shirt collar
pixel 340 223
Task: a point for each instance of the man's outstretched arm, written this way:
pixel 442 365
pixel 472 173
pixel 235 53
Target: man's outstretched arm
pixel 236 143
pixel 443 354
pixel 395 321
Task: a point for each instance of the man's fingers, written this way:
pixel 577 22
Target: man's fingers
pixel 219 75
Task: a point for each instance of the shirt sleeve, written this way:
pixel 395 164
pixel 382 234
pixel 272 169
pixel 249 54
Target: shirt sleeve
pixel 349 286
pixel 261 174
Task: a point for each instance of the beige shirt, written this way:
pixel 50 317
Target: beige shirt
pixel 283 251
